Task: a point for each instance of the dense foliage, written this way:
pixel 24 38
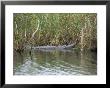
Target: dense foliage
pixel 55 29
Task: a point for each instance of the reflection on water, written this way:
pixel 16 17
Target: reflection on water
pixel 55 62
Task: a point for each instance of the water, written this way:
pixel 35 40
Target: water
pixel 55 62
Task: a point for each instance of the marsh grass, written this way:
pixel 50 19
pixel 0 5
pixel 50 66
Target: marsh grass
pixel 36 29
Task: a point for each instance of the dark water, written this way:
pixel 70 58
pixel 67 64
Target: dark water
pixel 55 62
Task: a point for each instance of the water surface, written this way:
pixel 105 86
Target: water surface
pixel 55 62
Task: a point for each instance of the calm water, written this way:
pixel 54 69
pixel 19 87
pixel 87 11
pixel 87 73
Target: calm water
pixel 66 62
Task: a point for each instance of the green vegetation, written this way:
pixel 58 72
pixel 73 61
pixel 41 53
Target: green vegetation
pixel 37 29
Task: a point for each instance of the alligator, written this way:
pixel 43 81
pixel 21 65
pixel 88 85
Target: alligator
pixel 50 47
